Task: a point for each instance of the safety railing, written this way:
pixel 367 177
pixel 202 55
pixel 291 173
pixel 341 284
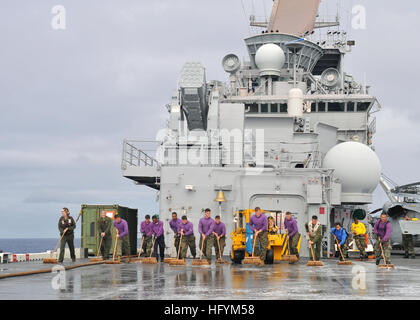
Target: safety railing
pixel 133 155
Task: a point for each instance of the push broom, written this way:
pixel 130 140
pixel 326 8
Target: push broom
pixel 314 263
pixel 167 260
pixel 201 262
pixel 253 259
pixel 289 257
pixel 384 265
pixel 150 260
pixel 52 260
pixel 113 261
pixel 97 259
pixel 138 259
pixel 178 261
pixel 343 262
pixel 220 260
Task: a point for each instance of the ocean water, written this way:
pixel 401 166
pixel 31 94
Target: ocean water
pixel 31 245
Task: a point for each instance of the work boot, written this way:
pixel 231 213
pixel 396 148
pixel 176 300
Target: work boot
pixel 412 257
pixel 378 261
pixel 406 256
pixel 73 260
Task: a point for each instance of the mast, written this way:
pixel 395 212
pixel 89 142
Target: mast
pixel 295 17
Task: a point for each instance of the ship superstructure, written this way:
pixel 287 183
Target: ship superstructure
pixel 291 130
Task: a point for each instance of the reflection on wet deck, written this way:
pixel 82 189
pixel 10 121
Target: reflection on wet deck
pixel 280 281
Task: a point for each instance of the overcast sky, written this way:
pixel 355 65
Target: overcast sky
pixel 69 97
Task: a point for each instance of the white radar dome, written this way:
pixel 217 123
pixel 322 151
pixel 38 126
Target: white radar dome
pixel 356 166
pixel 270 59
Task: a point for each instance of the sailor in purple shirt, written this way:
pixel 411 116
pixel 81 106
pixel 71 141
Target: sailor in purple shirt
pixel 122 236
pixel 174 224
pixel 383 229
pixel 219 232
pixel 205 228
pixel 293 235
pixel 259 223
pixel 186 230
pixel 146 228
pixel 159 238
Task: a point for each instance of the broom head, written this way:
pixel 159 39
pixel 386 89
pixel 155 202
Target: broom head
pixel 221 261
pixel 150 260
pixel 252 260
pixel 177 262
pixel 386 266
pixel 113 262
pixel 198 262
pixel 290 258
pixel 344 263
pixel 168 260
pixel 315 264
pixel 136 259
pixel 50 261
pixel 96 260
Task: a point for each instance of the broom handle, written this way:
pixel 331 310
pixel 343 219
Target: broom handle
pixel 313 256
pixel 179 246
pixel 202 246
pixel 288 244
pixel 58 243
pixel 339 247
pixel 382 250
pixel 173 247
pixel 253 249
pixel 153 248
pixel 99 248
pixel 220 252
pixel 141 246
pixel 115 248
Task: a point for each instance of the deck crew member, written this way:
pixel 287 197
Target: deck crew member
pixel 408 242
pixel 358 230
pixel 339 233
pixel 159 238
pixel 105 224
pixel 382 230
pixel 292 232
pixel 122 236
pixel 205 228
pixel 219 232
pixel 314 232
pixel 259 225
pixel 66 224
pixel 186 229
pixel 146 228
pixel 174 224
pixel 272 228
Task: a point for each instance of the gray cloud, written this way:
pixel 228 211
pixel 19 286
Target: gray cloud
pixel 69 98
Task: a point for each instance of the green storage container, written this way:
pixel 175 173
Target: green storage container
pixel 90 233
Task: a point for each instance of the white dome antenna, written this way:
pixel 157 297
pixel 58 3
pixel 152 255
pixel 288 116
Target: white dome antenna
pixel 270 59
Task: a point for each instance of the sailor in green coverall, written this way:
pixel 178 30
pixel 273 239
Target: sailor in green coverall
pixel 314 232
pixel 105 232
pixel 66 225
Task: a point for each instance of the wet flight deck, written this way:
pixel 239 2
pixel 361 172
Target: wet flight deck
pixel 279 281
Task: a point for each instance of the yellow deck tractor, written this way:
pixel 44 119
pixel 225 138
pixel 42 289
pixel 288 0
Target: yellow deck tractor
pixel 242 237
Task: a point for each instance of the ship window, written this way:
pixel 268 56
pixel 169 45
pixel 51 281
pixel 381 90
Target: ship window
pixel 350 106
pixel 321 106
pixel 283 107
pixel 363 106
pixel 274 108
pixel 253 108
pixel 336 107
pixel 264 108
pixel 313 107
pixel 92 229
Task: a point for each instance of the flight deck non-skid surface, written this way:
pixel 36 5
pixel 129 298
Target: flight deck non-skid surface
pixel 279 281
